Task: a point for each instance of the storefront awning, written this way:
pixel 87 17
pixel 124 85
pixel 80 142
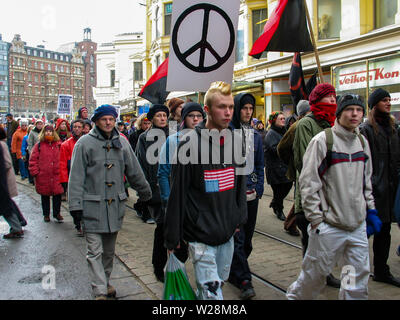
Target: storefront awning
pixel 245 85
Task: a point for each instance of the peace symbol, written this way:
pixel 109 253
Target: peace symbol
pixel 203 44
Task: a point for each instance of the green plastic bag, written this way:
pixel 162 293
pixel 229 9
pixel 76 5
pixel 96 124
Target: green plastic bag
pixel 176 284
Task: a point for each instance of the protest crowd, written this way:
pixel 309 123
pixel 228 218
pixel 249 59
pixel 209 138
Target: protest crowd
pixel 206 210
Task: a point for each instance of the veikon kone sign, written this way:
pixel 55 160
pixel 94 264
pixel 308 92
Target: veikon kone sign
pixel 381 73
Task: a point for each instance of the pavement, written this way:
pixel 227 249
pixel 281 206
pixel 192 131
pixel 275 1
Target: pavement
pixel 279 263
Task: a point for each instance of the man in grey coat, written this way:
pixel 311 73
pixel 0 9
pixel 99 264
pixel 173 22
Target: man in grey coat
pixel 100 161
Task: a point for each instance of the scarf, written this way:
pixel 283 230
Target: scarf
pixel 324 111
pixel 383 119
pixel 281 131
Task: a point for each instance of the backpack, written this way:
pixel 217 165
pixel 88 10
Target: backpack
pixel 329 144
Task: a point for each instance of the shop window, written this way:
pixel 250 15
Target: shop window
pixel 259 18
pixel 167 18
pixel 329 19
pixel 385 11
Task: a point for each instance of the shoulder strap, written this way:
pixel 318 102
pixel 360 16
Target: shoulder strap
pixel 361 140
pixel 329 146
pixel 329 139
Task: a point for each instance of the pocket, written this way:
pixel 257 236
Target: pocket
pixel 91 206
pixel 121 205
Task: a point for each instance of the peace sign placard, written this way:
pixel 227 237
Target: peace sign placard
pixel 202 44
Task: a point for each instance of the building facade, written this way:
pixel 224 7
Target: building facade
pixel 120 72
pixel 356 40
pixel 37 76
pixel 4 104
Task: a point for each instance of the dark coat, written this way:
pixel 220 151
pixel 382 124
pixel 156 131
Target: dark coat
pixel 275 168
pixel 385 152
pixel 150 170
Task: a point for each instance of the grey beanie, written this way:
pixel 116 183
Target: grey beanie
pixel 349 100
pixel 303 106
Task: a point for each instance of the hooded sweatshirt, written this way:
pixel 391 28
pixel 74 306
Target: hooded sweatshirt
pixel 255 180
pixel 207 201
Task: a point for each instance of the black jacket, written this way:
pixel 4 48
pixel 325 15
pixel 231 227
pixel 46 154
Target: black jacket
pixel 275 168
pixel 198 210
pixel 150 170
pixel 385 153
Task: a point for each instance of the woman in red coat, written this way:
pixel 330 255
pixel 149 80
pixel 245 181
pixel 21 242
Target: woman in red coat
pixel 44 165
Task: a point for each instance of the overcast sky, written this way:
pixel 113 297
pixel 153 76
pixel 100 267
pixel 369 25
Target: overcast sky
pixel 61 21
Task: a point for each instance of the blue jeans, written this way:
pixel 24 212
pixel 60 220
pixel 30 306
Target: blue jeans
pixel 211 268
pixel 22 168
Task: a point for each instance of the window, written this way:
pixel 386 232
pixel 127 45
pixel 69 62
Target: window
pixel 49 67
pixel 41 53
pixel 385 12
pixel 240 40
pixel 157 61
pixel 35 64
pixel 36 78
pixel 138 71
pixel 259 17
pixel 167 18
pixel 157 23
pixel 42 65
pixel 48 55
pixel 112 78
pixel 329 19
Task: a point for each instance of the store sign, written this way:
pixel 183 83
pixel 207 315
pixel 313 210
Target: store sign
pixel 395 98
pixel 381 73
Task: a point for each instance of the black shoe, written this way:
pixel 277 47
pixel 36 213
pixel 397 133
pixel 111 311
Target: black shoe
pixel 159 275
pixel 247 290
pixel 280 215
pixel 332 281
pixel 388 278
pixel 293 232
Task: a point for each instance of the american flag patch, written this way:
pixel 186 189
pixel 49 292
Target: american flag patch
pixel 219 180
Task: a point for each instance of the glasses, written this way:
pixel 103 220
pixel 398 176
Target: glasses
pixel 351 96
pixel 192 116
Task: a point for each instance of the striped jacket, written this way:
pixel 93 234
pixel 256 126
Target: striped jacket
pixel 340 192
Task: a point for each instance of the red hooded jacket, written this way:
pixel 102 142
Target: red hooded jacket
pixel 44 166
pixel 65 158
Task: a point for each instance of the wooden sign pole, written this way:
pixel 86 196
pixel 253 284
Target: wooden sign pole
pixel 321 77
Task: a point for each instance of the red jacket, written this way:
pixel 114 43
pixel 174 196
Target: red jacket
pixel 65 158
pixel 44 166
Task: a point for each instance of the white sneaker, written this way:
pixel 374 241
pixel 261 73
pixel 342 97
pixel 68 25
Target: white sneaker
pixel 150 221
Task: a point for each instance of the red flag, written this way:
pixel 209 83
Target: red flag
pixel 285 31
pixel 155 88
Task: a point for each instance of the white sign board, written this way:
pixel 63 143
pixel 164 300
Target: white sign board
pixel 381 73
pixel 65 102
pixel 202 45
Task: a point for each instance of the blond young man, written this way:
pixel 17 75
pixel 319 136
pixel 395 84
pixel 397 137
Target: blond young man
pixel 209 196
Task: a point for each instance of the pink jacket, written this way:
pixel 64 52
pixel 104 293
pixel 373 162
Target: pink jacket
pixel 44 166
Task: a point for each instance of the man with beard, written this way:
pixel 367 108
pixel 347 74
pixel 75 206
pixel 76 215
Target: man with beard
pixel 65 162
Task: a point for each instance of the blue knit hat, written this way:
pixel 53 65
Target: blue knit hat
pixel 104 110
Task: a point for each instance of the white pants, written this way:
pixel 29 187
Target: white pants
pixel 328 246
pixel 211 268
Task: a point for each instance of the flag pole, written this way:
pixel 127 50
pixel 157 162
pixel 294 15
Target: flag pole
pixel 321 77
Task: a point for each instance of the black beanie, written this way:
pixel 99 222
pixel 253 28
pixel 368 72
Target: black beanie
pixel 189 107
pixel 157 108
pixel 247 99
pixel 348 100
pixel 377 96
